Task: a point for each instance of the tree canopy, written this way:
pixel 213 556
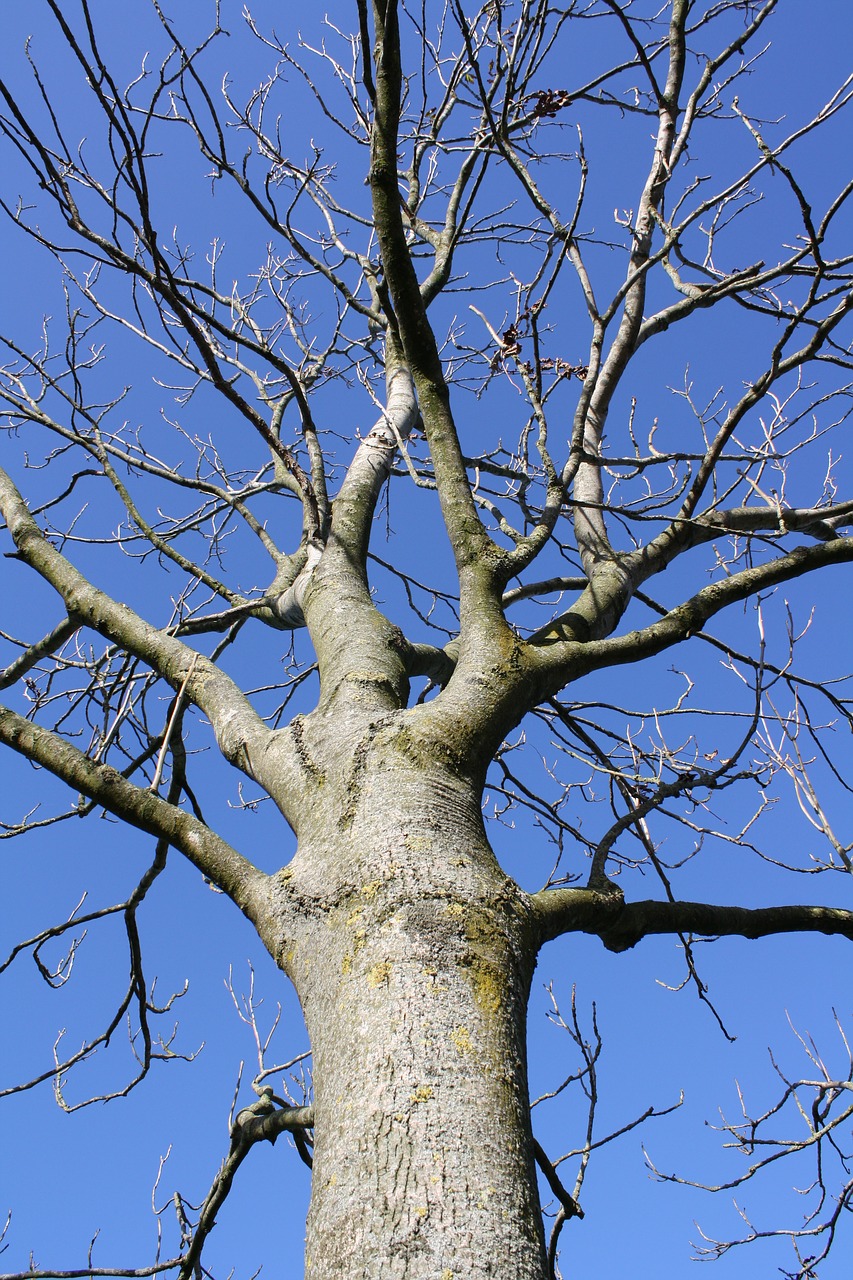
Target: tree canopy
pixel 416 416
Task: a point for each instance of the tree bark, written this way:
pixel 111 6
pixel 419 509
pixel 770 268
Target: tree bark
pixel 412 955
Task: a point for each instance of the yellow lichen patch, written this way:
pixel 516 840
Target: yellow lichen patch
pixel 422 1093
pixel 455 909
pixel 346 964
pixel 359 939
pixel 370 890
pixel 418 844
pixel 462 1039
pixel 488 988
pixel 421 1211
pixel 355 915
pixel 447 1274
pixel 379 973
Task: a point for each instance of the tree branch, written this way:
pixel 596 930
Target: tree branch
pixel 241 734
pixel 25 661
pixel 565 658
pixel 622 925
pixel 471 545
pixel 257 1123
pixel 223 865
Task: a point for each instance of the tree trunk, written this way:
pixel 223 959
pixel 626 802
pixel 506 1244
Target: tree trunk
pixel 412 954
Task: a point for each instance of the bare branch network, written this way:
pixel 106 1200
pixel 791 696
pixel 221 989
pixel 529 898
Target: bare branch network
pixel 392 394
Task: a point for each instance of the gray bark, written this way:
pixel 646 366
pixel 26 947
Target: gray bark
pixel 412 954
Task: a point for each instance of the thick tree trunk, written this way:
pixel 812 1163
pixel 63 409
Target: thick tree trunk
pixel 412 955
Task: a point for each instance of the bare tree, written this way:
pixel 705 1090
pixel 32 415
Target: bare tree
pixel 448 253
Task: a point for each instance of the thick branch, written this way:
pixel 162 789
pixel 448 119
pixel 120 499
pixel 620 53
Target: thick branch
pixel 642 919
pixel 355 504
pixel 471 544
pixel 241 734
pixel 592 537
pixel 560 653
pixel 224 866
pixel 622 925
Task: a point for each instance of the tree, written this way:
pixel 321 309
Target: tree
pixel 442 253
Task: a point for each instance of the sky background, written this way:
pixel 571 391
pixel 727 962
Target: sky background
pixel 66 1177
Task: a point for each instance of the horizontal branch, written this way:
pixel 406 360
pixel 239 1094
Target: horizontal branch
pixel 622 925
pixel 642 919
pixel 83 1273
